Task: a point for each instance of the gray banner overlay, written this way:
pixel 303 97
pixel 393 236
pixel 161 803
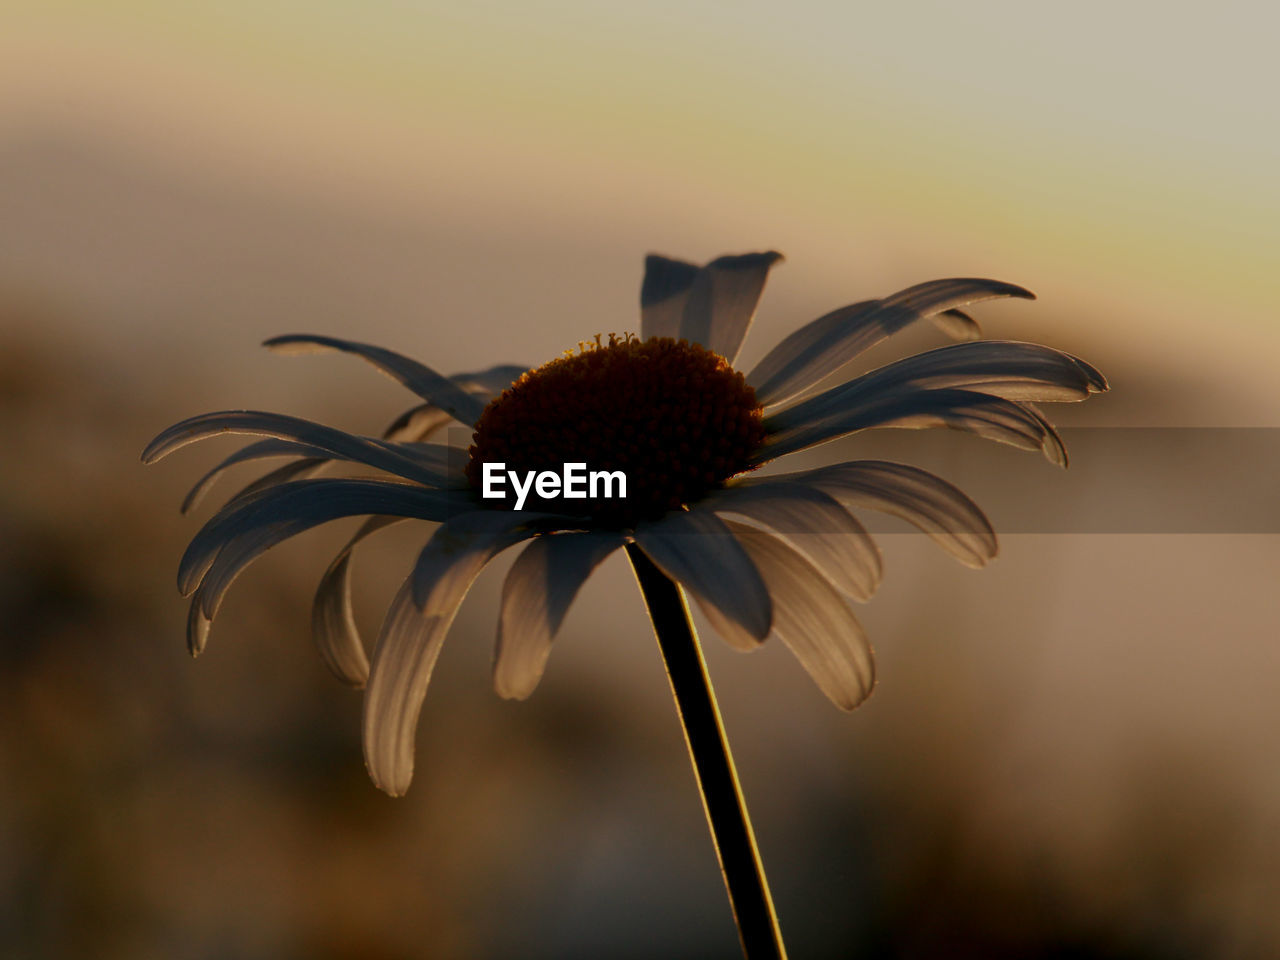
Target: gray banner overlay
pixel 1121 479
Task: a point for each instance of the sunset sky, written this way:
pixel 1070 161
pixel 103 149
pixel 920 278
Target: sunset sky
pixel 1127 147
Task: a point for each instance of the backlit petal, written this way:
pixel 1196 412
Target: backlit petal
pixel 379 454
pixel 813 620
pixel 197 626
pixel 990 417
pixel 697 550
pixel 957 325
pixel 663 294
pixel 417 423
pixel 937 507
pixel 814 522
pixel 333 625
pixel 535 598
pixel 722 301
pixel 826 344
pixel 419 378
pixel 1002 368
pixel 290 508
pixel 490 382
pixel 409 643
pixel 462 536
pixel 262 449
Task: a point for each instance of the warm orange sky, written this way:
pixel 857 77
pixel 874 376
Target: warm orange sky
pixel 1118 159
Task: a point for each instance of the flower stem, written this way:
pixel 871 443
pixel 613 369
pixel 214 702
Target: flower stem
pixel 712 763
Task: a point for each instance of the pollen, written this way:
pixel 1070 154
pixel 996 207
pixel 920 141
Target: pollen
pixel 674 417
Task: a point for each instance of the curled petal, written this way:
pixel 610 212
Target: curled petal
pixel 721 303
pixel 1001 368
pixel 312 458
pixel 421 379
pixel 663 294
pixel 935 296
pixel 824 345
pixel 1017 424
pixel 535 598
pixel 198 625
pixel 413 426
pixel 957 325
pixel 279 512
pixel 333 625
pixel 315 437
pixel 410 639
pixel 813 620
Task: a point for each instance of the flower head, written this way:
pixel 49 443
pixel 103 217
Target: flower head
pixel 669 411
pixel 674 417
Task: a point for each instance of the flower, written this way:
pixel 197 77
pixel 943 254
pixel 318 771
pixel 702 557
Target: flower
pixel 687 429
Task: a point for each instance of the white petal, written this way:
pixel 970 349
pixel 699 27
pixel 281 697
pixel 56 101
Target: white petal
pixel 957 325
pixel 445 464
pixel 333 625
pixel 722 301
pixel 816 523
pixel 813 620
pixel 404 657
pixel 274 514
pixel 263 449
pixel 417 423
pixel 379 454
pixel 1001 368
pixel 938 508
pixel 823 346
pixel 491 381
pixel 935 296
pixel 535 598
pixel 413 426
pixel 697 550
pixel 1054 449
pixel 421 421
pixel 462 536
pixel 820 347
pixel 734 634
pixel 663 295
pixel 410 642
pixel 234 556
pixel 419 378
pixel 197 626
pixel 297 470
pixel 991 417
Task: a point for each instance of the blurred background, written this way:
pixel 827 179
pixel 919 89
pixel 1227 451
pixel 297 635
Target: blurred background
pixel 1070 754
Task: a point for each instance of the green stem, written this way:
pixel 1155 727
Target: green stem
pixel 712 763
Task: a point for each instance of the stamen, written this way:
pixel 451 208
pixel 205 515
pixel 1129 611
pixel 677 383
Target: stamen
pixel 676 418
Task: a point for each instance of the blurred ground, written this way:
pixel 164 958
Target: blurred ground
pixel 1070 754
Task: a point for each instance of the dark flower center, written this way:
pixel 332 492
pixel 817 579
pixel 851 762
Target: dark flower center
pixel 676 419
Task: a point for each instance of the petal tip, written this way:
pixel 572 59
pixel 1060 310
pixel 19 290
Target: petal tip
pixel 391 789
pixel 152 451
pixel 291 344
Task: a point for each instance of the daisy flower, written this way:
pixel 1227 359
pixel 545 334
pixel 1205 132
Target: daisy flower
pixel 760 555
